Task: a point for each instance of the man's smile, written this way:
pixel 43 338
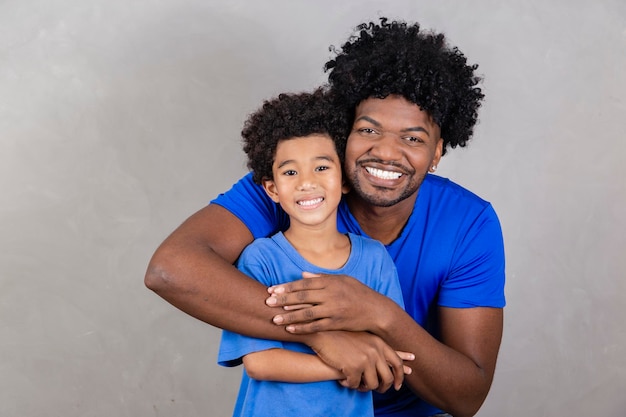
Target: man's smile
pixel 383 174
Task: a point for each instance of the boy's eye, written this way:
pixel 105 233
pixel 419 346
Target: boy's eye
pixel 290 172
pixel 321 168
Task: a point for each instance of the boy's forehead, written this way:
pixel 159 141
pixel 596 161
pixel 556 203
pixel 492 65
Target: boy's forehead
pixel 301 146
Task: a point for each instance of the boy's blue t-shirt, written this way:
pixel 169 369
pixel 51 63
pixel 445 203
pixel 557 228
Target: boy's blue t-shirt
pixel 274 261
pixel 450 253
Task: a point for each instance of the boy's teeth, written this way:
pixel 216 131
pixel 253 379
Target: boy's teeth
pixel 386 175
pixel 310 202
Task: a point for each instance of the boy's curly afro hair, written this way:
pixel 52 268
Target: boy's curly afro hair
pixel 290 116
pixel 393 58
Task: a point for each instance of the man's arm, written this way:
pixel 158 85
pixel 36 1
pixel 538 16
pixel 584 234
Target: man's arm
pixel 454 374
pixel 192 269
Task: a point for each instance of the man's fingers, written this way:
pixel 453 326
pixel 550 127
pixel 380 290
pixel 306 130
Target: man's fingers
pixel 386 378
pixel 297 307
pixel 352 382
pixel 397 367
pixel 285 299
pixel 301 316
pixel 312 282
pixel 370 380
pixel 308 328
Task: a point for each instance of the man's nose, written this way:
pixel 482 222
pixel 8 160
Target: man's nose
pixel 386 147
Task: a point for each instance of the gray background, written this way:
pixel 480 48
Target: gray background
pixel 118 119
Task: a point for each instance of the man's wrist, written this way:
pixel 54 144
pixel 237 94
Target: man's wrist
pixel 385 318
pixel 311 339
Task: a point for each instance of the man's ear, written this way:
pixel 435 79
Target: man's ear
pixel 438 153
pixel 345 188
pixel 270 189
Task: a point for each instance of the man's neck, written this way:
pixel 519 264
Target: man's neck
pixel 381 223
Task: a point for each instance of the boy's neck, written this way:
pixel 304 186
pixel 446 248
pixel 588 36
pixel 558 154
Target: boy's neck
pixel 324 247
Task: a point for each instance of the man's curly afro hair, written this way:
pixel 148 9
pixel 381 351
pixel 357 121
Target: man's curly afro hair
pixel 393 58
pixel 290 116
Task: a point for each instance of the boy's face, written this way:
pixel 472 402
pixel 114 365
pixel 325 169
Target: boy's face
pixel 391 147
pixel 307 179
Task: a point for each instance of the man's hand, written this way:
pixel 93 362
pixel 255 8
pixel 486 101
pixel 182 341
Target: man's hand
pixel 328 302
pixel 365 359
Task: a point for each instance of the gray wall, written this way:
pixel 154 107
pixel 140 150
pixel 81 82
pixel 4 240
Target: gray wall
pixel 118 119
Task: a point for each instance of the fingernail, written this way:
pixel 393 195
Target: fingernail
pixel 277 319
pixel 290 329
pixel 278 290
pixel 270 301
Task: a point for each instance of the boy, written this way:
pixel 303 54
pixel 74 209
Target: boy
pixel 293 144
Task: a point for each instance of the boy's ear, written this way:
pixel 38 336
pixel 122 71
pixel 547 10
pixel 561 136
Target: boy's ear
pixel 270 189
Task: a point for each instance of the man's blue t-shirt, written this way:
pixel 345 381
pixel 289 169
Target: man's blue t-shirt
pixel 274 261
pixel 450 253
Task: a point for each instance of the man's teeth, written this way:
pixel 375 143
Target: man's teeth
pixel 310 202
pixel 385 175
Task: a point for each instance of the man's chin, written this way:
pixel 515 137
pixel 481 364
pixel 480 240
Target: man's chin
pixel 380 198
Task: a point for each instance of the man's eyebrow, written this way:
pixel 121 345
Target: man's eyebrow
pixel 416 129
pixel 368 119
pixel 408 129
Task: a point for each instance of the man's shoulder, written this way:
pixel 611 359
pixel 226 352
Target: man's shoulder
pixel 443 188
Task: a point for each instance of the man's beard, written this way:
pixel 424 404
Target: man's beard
pixel 378 199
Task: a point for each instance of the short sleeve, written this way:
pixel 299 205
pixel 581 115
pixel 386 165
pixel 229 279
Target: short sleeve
pixel 477 274
pixel 234 346
pixel 250 204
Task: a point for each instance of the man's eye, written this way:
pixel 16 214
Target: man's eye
pixel 414 139
pixel 367 131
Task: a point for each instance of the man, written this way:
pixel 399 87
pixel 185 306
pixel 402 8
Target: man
pixel 412 98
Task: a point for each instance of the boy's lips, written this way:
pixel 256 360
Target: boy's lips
pixel 310 202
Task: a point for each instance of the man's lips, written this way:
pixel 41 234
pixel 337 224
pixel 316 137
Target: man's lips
pixel 383 174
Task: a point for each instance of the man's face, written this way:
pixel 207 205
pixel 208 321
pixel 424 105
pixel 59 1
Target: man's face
pixel 391 147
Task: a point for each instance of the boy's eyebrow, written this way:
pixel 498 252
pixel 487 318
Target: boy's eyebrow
pixel 328 158
pixel 408 129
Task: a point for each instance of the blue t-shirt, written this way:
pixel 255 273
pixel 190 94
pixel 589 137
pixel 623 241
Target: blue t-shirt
pixel 450 253
pixel 274 261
